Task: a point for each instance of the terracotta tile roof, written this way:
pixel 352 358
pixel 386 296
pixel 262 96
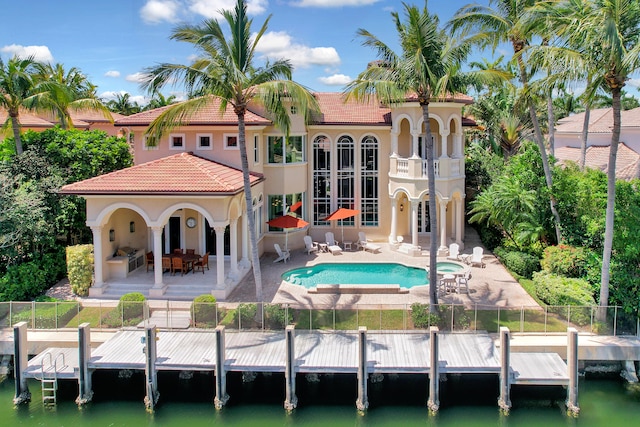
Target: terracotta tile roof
pixel 600 121
pixel 334 111
pixel 27 120
pixel 90 116
pixel 627 160
pixel 209 115
pixel 181 174
pixel 457 97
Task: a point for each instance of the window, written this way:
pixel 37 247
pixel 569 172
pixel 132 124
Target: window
pixel 346 175
pixel 321 179
pixel 279 205
pixel 176 141
pixel 291 151
pixel 369 181
pixel 256 149
pixel 204 141
pixel 258 208
pixel 147 147
pixel 294 110
pixel 230 142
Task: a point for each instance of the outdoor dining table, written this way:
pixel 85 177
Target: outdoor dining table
pixel 187 259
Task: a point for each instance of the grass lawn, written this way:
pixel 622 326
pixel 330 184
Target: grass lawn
pixel 91 315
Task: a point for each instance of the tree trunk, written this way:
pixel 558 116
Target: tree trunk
pixel 552 123
pixel 611 200
pixel 15 125
pixel 255 257
pixel 433 224
pixel 584 136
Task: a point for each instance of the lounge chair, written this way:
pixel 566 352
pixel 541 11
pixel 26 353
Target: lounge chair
pixel 310 245
pixel 282 255
pixel 463 282
pixel 371 247
pixel 454 251
pixel 362 239
pixel 476 257
pixel 332 245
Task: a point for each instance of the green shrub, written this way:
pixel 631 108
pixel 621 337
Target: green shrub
pixel 521 263
pixel 421 316
pixel 128 312
pixel 246 313
pixel 565 260
pixel 277 316
pixel 25 281
pixel 203 310
pixel 558 290
pixel 80 268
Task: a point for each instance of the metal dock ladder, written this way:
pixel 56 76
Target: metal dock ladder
pixel 49 377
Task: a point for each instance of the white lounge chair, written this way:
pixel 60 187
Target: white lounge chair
pixel 463 282
pixel 310 245
pixel 332 245
pixel 454 251
pixel 282 255
pixel 362 239
pixel 476 257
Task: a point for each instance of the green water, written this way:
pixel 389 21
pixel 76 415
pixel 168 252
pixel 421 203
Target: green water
pixel 329 402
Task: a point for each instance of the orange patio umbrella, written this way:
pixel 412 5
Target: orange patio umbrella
pixel 287 222
pixel 341 214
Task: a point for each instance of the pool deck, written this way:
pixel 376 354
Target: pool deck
pixel 491 286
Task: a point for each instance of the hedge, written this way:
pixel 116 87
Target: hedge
pixel 565 260
pixel 203 310
pixel 521 263
pixel 80 268
pixel 559 290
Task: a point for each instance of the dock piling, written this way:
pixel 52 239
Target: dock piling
pixel 151 373
pixel 362 403
pixel 23 395
pixel 572 367
pixel 434 375
pixel 291 400
pixel 221 374
pixel 504 402
pixel 84 375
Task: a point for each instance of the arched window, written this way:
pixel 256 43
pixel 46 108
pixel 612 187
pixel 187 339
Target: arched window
pixel 369 193
pixel 321 179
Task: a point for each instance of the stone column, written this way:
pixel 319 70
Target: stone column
pixel 158 288
pixel 415 140
pixel 221 374
pixel 393 237
pixel 459 221
pixel 20 361
pixel 84 354
pixel 220 254
pixel 458 151
pixel 572 368
pixel 363 401
pixel 98 259
pixel 394 144
pixel 291 400
pixel 443 224
pixel 504 402
pixel 233 234
pixel 433 403
pixel 414 222
pixel 443 144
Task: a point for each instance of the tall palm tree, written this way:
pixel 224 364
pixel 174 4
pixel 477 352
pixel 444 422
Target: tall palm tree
pixel 488 26
pixel 428 68
pixel 123 104
pixel 61 91
pixel 226 70
pixel 159 100
pixel 16 90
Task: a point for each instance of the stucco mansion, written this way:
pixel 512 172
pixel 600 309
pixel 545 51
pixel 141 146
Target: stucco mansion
pixel 187 191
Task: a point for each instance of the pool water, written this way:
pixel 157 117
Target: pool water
pixel 357 274
pixel 449 267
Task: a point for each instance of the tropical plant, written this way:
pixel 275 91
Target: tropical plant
pixel 16 90
pixel 123 104
pixel 226 70
pixel 159 100
pixel 427 69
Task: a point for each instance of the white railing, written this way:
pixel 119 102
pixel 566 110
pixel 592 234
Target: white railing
pixel 403 167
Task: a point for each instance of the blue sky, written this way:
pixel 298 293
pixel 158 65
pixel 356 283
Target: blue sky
pixel 112 41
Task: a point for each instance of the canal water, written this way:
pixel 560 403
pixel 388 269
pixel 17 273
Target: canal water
pixel 396 401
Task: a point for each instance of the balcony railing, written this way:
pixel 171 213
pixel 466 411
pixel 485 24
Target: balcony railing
pixel 416 168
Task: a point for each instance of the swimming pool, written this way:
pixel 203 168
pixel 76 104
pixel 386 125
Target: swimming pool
pixel 357 274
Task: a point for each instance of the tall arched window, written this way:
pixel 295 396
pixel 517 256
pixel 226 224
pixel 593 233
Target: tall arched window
pixel 321 179
pixel 346 175
pixel 369 194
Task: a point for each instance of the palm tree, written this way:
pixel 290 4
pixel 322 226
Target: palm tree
pixel 159 100
pixel 122 104
pixel 509 22
pixel 226 70
pixel 16 90
pixel 61 92
pixel 428 68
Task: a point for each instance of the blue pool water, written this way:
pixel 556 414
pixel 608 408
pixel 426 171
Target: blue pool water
pixel 357 274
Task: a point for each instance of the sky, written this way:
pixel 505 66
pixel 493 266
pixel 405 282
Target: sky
pixel 113 41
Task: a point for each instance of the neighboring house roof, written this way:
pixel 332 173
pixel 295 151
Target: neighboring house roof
pixel 334 111
pixel 183 174
pixel 27 120
pixel 208 115
pixel 92 116
pixel 600 121
pixel 457 97
pixel 627 160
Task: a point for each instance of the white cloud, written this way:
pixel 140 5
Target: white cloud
pixel 157 11
pixel 136 77
pixel 111 95
pixel 39 53
pixel 278 45
pixel 332 3
pixel 211 8
pixel 112 73
pixel 634 83
pixel 336 80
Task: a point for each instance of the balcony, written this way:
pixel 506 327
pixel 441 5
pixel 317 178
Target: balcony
pixel 416 168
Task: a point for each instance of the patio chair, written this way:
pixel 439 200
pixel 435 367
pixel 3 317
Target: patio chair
pixel 476 257
pixel 149 260
pixel 282 255
pixel 362 239
pixel 191 251
pixel 166 264
pixel 463 282
pixel 177 264
pixel 177 251
pixel 454 251
pixel 332 245
pixel 201 263
pixel 310 245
